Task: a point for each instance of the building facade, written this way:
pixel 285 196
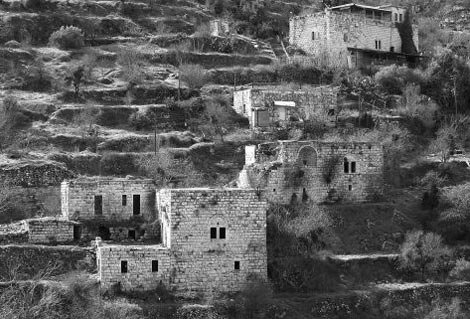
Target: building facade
pixel 357 34
pixel 213 241
pixel 112 208
pixel 314 171
pixel 265 106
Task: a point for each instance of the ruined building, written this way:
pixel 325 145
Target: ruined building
pixel 212 241
pixel 265 106
pixel 112 208
pixel 219 28
pixel 315 171
pixel 357 34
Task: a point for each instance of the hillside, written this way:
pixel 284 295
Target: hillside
pixel 142 92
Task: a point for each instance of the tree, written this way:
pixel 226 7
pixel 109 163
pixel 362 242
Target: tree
pixel 194 75
pixel 446 141
pixel 10 118
pixel 425 253
pixel 75 78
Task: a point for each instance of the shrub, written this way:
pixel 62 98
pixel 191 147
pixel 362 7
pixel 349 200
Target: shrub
pixel 67 38
pixel 194 75
pixel 425 254
pixel 393 79
pixel 132 64
pixel 461 270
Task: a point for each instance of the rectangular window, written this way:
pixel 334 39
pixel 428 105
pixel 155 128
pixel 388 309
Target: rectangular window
pixel 236 265
pixel 369 14
pixel 123 266
pixel 213 233
pixel 98 205
pixel 124 200
pixel 222 233
pixel 346 167
pixel 353 167
pixel 378 44
pixel 350 187
pixel 136 205
pixel 154 265
pixel 313 35
pixel 131 234
pixel 401 17
pixel 396 16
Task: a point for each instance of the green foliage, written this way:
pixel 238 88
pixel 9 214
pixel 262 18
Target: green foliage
pixel 424 253
pixel 67 38
pixel 393 79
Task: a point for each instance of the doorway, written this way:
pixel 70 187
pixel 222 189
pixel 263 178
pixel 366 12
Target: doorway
pixel 136 205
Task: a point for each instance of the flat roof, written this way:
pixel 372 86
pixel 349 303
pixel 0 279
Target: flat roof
pixel 362 6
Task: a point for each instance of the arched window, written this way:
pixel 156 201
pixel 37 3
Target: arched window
pixel 307 157
pixel 350 167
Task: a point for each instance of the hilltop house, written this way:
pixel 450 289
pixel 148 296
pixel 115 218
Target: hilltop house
pixel 265 105
pixel 358 33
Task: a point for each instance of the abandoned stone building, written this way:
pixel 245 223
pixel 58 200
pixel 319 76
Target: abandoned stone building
pixel 112 208
pixel 213 241
pixel 265 106
pixel 289 171
pixel 359 35
pixel 50 230
pixel 219 27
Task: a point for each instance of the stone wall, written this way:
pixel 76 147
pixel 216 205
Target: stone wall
pixel 50 230
pixel 312 170
pixel 34 174
pixel 213 241
pixel 139 275
pixel 80 198
pixel 335 32
pixel 307 102
pixel 208 264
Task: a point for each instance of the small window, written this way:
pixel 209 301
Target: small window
pixel 98 205
pixel 313 35
pixel 401 17
pixel 350 187
pixel 124 200
pixel 346 37
pixel 236 265
pixel 274 190
pixel 213 233
pixel 378 44
pixel 154 265
pixel 331 112
pixel 392 49
pixel 222 233
pixel 396 16
pixel 123 266
pixel 346 165
pixel 244 108
pixel 353 167
pixel 131 234
pixel 305 162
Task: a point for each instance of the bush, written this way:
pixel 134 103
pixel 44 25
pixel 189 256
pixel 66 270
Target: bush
pixel 132 64
pixel 393 79
pixel 424 253
pixel 194 75
pixel 67 38
pixel 461 270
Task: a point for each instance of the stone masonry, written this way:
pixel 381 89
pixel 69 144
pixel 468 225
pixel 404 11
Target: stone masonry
pixel 108 199
pixel 214 240
pixel 344 29
pixel 267 105
pixel 314 170
pixel 50 230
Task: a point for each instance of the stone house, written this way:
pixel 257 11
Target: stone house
pixel 317 171
pixel 219 27
pixel 357 34
pixel 105 206
pixel 265 106
pixel 213 241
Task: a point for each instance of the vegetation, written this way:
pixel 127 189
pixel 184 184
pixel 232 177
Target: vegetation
pixel 67 38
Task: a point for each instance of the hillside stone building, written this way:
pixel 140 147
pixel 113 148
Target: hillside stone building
pixel 315 171
pixel 219 27
pixel 107 203
pixel 358 34
pixel 213 241
pixel 265 106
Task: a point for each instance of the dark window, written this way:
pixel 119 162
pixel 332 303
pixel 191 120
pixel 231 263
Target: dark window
pixel 131 234
pixel 222 233
pixel 353 167
pixel 244 108
pixel 213 233
pixel 331 112
pixel 346 37
pixel 136 204
pixel 123 266
pixel 104 233
pixel 305 162
pixel 350 187
pixel 396 16
pixel 313 35
pixel 392 49
pixel 98 205
pixel 274 190
pixel 77 232
pixel 236 265
pixel 124 200
pixel 346 165
pixel 154 265
pixel 401 17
